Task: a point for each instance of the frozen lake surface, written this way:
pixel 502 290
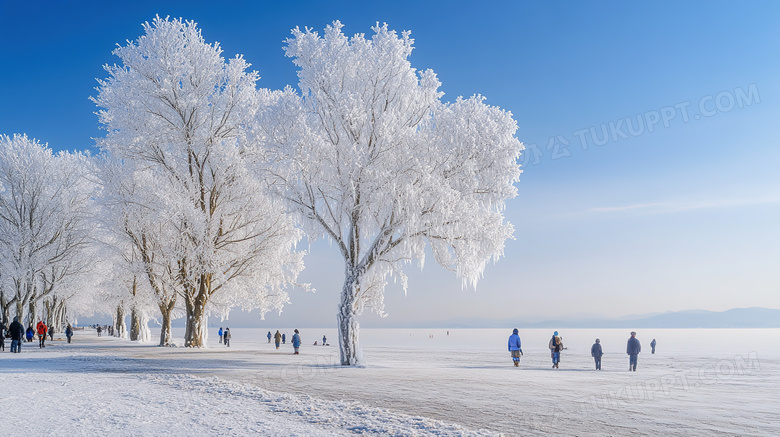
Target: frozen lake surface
pixel 416 382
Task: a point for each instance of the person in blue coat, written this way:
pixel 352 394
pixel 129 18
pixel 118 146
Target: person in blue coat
pixel 269 337
pixel 296 341
pixel 514 347
pixel 652 345
pixel 284 338
pixel 220 334
pixel 632 349
pixel 30 334
pixel 596 353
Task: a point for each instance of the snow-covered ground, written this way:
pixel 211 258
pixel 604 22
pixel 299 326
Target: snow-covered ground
pixel 417 382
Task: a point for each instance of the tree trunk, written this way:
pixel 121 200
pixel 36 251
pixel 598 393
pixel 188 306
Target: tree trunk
pixel 349 329
pixel 135 325
pixel 20 310
pixel 120 330
pixel 196 334
pixel 6 313
pixel 3 309
pixel 165 331
pixel 49 307
pixel 59 316
pixel 33 309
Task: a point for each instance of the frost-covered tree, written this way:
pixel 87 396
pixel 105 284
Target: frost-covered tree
pixel 373 159
pixel 178 111
pixel 130 215
pixel 45 221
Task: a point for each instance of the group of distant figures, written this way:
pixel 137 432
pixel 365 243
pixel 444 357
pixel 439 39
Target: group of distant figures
pixel 633 348
pixel 18 334
pixel 279 338
pixel 224 336
pixel 108 328
pixel 282 338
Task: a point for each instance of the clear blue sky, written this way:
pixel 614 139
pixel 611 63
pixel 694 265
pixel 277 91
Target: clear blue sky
pixel 684 216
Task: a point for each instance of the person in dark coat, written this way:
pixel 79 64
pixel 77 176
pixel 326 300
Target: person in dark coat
pixel 652 345
pixel 269 337
pixel 30 333
pixel 226 337
pixel 69 332
pixel 514 347
pixel 17 333
pixel 284 338
pixel 99 330
pixel 51 332
pixel 632 349
pixel 324 340
pixel 596 353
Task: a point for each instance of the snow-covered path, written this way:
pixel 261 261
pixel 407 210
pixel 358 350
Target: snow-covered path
pixel 101 387
pixel 411 387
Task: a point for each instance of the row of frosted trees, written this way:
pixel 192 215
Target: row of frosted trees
pixel 205 183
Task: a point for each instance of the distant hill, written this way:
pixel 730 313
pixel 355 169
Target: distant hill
pixel 733 318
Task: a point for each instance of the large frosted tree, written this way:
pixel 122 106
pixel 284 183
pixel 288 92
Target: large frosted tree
pixel 179 113
pixel 371 157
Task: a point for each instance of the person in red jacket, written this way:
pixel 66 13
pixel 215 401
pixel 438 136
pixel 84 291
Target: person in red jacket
pixel 42 331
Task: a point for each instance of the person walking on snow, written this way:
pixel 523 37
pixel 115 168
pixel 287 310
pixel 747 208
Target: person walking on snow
pixel 324 341
pixel 269 337
pixel 226 337
pixel 556 346
pixel 17 334
pixel 3 330
pixel 51 332
pixel 596 353
pixel 69 332
pixel 514 347
pixel 652 345
pixel 277 338
pixel 284 338
pixel 296 341
pixel 632 349
pixel 220 334
pixel 42 331
pixel 99 330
